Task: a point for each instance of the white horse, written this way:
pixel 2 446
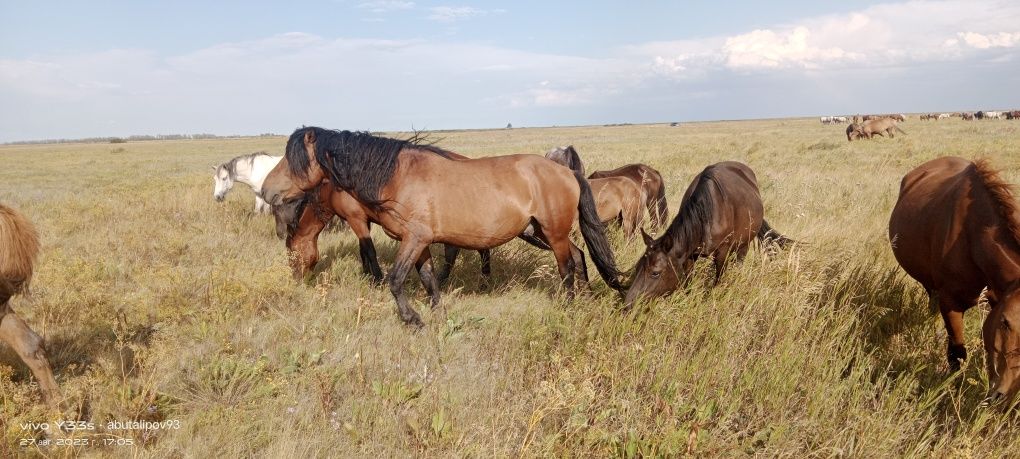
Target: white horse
pixel 249 169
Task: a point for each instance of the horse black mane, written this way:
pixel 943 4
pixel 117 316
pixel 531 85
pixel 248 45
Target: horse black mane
pixel 689 228
pixel 355 161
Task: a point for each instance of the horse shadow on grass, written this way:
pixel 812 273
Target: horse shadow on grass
pixel 898 325
pixel 512 264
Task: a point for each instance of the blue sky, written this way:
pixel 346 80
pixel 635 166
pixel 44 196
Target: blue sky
pixel 83 69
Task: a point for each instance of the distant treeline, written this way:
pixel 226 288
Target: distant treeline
pixel 134 138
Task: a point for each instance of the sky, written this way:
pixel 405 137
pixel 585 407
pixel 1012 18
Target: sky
pixel 74 69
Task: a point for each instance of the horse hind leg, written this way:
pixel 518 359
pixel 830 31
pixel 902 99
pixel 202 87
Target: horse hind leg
pixel 581 266
pixel 407 256
pixel 450 254
pixel 29 347
pixel 486 257
pixel 428 277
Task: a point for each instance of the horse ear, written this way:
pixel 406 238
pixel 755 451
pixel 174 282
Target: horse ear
pixel 309 136
pixel 648 239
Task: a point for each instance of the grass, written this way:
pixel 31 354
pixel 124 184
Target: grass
pixel 159 304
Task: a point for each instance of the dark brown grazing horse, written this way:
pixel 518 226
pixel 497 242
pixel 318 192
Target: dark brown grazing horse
pixel 19 246
pixel 643 175
pixel 955 230
pixel 721 213
pixel 422 195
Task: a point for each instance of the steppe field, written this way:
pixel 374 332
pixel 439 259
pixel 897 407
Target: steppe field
pixel 159 304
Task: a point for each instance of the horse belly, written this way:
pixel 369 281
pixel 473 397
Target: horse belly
pixel 471 224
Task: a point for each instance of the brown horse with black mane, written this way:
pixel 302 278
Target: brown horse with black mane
pixel 955 230
pixel 720 214
pixel 19 246
pixel 653 188
pixel 421 194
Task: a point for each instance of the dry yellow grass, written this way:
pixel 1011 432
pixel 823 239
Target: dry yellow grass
pixel 159 304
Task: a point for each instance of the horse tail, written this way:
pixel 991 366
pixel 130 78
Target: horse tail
pixel 662 212
pixel 594 233
pixel 19 245
pixel 767 234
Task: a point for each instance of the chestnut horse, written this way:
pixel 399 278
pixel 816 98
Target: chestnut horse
pixel 955 230
pixel 720 214
pixel 653 188
pixel 19 246
pixel 300 221
pixel 421 195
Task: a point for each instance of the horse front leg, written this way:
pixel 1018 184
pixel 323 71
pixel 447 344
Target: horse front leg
pixel 366 249
pixel 29 346
pixel 407 255
pixel 261 206
pixel 952 317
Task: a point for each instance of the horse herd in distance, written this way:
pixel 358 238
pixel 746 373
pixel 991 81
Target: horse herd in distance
pixel 868 126
pixel 954 228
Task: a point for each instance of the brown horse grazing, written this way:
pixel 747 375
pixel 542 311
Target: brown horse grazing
pixel 301 221
pixel 721 213
pixel 955 230
pixel 422 195
pixel 19 246
pixel 646 177
pixel 619 199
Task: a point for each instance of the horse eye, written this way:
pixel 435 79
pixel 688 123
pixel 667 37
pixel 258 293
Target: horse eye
pixel 1005 324
pixel 656 274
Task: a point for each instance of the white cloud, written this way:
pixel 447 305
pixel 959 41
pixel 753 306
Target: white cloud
pixel 983 41
pixel 768 49
pixel 882 35
pixel 386 6
pixel 458 13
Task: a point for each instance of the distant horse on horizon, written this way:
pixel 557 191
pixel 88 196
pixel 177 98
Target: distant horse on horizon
pixel 250 169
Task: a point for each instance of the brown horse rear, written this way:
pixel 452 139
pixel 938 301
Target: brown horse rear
pixel 653 189
pixel 619 198
pixel 954 230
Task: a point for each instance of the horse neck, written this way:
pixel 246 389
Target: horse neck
pixel 997 252
pixel 243 173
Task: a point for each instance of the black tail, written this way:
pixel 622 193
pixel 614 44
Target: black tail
pixel 595 236
pixel 767 234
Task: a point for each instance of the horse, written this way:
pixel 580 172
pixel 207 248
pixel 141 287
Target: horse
pixel 19 247
pixel 300 222
pixel 423 195
pixel 955 230
pixel 249 169
pixel 870 128
pixel 721 213
pixel 646 177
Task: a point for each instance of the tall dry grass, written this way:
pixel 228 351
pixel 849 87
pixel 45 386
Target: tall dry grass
pixel 158 303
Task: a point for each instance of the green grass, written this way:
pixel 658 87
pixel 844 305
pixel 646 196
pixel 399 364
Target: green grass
pixel 158 303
